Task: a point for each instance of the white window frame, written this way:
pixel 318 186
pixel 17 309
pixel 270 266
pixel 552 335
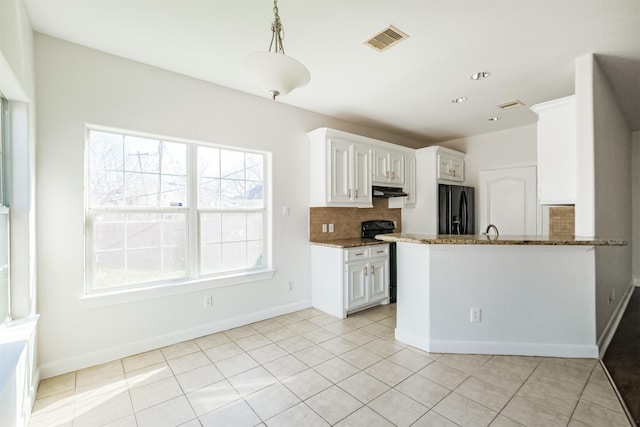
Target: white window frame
pixel 5 212
pixel 194 281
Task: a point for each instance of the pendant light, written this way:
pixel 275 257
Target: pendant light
pixel 274 71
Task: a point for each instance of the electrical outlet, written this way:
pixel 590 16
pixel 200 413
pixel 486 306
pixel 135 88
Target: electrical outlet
pixel 208 301
pixel 476 315
pixel 324 228
pixel 285 211
pixel 290 285
pixel 331 229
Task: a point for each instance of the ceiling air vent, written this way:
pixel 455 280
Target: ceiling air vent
pixel 386 38
pixel 511 104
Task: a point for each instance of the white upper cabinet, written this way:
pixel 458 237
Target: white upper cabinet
pixel 361 159
pixel 557 155
pixel 388 167
pixel 344 166
pixel 409 185
pixel 410 182
pixel 450 167
pixel 348 172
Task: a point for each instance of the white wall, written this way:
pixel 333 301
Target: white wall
pixel 585 167
pixel 612 196
pixel 603 205
pixel 76 86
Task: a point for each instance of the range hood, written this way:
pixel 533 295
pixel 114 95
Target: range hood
pixel 387 192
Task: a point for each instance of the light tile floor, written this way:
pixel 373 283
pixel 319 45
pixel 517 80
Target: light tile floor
pixel 311 369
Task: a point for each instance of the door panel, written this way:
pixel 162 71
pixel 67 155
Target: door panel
pixel 507 199
pixel 379 279
pixel 362 174
pixel 380 166
pixel 340 171
pixel 356 285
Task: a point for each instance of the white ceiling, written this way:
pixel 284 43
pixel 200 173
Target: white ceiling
pixel 529 46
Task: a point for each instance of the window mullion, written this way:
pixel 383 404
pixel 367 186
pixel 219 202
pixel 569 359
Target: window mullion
pixel 193 240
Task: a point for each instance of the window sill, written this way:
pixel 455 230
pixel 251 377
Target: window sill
pixel 106 299
pixel 14 338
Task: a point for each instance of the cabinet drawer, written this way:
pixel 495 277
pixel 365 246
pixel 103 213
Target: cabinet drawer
pixel 376 251
pixel 353 254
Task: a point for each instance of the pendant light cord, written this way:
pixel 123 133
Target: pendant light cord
pixel 277 32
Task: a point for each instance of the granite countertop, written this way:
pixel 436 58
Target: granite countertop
pixel 348 243
pixel 426 239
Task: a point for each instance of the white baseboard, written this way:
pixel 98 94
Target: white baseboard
pixel 515 348
pixel 502 348
pixel 614 320
pixel 70 364
pixel 412 339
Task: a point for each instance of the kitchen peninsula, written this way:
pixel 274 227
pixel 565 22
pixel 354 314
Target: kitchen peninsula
pixel 516 295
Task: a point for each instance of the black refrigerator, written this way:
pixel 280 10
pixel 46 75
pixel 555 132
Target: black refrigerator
pixel 456 213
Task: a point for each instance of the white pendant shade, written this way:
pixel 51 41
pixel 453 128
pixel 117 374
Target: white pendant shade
pixel 276 73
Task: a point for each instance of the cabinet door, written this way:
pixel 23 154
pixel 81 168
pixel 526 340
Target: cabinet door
pixel 361 175
pixel 444 166
pixel 457 169
pixel 356 289
pixel 410 182
pixel 381 169
pixel 450 168
pixel 340 171
pixel 396 161
pixel 378 275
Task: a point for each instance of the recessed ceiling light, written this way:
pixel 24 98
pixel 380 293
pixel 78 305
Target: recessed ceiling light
pixel 480 75
pixel 494 119
pixel 459 100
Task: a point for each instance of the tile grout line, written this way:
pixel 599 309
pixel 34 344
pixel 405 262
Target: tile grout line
pixel 362 324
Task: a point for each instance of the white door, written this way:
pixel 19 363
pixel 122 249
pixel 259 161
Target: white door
pixel 508 199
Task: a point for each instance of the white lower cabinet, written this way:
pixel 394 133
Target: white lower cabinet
pixel 347 280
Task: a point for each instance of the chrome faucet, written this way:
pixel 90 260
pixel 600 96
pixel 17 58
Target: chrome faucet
pixel 489 227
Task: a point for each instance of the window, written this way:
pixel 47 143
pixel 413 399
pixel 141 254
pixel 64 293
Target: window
pixel 5 290
pixel 163 212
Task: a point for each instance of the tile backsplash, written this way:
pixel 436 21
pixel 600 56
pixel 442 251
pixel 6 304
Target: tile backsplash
pixel 562 220
pixel 346 221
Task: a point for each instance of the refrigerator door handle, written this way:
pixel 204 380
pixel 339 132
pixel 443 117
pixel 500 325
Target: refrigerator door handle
pixel 464 214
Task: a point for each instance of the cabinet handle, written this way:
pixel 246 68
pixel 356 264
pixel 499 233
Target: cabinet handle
pixel 349 193
pixel 393 175
pixel 355 194
pixel 380 251
pixel 386 174
pixel 373 270
pixel 359 254
pixel 454 172
pixel 365 270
